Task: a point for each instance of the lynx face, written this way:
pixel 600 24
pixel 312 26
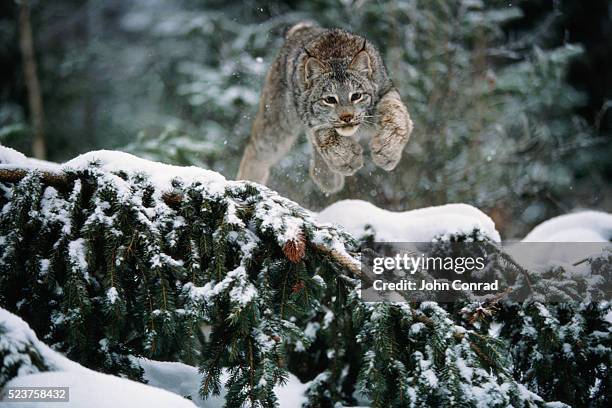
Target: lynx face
pixel 341 104
pixel 340 95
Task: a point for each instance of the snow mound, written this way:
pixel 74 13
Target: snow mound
pixel 88 389
pixel 585 226
pixel 8 155
pixel 420 225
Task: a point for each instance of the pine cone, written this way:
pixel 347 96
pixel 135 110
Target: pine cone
pixel 298 287
pixel 295 249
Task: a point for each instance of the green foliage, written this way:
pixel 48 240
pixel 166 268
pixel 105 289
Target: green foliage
pixel 560 351
pixel 419 357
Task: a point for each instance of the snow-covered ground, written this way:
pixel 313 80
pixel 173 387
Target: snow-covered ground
pixel 89 389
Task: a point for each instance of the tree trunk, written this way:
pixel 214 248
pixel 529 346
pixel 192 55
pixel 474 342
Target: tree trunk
pixel 37 112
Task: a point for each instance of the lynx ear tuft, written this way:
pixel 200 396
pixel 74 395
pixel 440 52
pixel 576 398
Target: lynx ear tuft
pixel 312 69
pixel 361 63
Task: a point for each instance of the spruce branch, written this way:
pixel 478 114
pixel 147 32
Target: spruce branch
pixel 343 259
pixel 60 181
pixel 294 250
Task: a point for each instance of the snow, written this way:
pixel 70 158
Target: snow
pixel 427 373
pixel 554 404
pixel 53 211
pixel 178 378
pixel 112 295
pixel 76 250
pixel 311 330
pixel 420 225
pixel 565 241
pixel 44 266
pixel 279 220
pixel 495 329
pixel 416 328
pixel 466 372
pixel 584 226
pixel 243 293
pixel 10 158
pixel 8 155
pixel 88 389
pixel 161 175
pixel 19 334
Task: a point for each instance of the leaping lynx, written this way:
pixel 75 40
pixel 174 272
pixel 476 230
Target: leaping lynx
pixel 334 85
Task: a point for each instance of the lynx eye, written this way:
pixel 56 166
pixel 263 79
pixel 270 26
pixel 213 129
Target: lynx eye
pixel 356 96
pixel 330 100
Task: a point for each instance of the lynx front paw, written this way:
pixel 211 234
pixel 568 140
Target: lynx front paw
pixel 386 156
pixel 393 133
pixel 342 155
pixel 327 180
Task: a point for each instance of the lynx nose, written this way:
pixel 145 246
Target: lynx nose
pixel 346 117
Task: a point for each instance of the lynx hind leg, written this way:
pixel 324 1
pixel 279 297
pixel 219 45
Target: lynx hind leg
pixel 253 166
pixel 268 145
pixel 342 154
pixel 394 127
pixel 272 136
pixel 325 178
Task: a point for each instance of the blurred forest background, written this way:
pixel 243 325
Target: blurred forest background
pixel 512 100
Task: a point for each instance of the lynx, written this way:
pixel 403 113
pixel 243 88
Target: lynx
pixel 332 84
